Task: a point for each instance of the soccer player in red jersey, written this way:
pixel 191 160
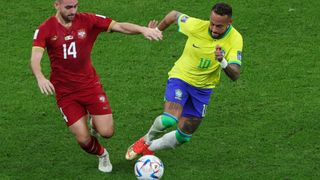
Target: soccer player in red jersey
pixel 68 38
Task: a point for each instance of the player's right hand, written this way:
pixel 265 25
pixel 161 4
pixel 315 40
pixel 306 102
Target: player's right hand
pixel 152 33
pixel 46 87
pixel 218 53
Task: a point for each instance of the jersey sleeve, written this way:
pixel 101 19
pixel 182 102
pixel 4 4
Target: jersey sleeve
pixel 40 36
pixel 235 54
pixel 187 25
pixel 101 23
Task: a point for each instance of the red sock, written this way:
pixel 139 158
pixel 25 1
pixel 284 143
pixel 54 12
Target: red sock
pixel 93 147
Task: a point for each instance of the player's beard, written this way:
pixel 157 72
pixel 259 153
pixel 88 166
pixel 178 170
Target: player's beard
pixel 68 18
pixel 216 35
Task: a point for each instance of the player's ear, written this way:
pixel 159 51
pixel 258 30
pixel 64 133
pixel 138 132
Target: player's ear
pixel 56 4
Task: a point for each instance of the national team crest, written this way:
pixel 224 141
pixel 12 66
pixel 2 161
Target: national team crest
pixel 178 94
pixel 223 52
pixel 102 98
pixel 184 18
pixel 82 34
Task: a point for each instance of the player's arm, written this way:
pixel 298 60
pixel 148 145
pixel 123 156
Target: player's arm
pixel 129 28
pixel 170 18
pixel 231 70
pixel 44 84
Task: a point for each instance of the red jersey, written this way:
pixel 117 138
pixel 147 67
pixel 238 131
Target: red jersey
pixel 69 51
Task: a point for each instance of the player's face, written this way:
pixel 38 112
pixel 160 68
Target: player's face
pixel 219 24
pixel 67 9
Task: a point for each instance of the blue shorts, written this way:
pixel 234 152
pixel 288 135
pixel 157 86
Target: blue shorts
pixel 193 100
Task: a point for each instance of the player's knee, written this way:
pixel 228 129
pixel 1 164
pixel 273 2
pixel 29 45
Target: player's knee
pixel 107 132
pixel 168 120
pixel 182 137
pixel 83 139
pixel 107 135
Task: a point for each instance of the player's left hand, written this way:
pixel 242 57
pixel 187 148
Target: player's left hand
pixel 152 34
pixel 218 53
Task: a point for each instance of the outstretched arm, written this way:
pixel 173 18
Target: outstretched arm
pixel 129 28
pixel 44 84
pixel 170 18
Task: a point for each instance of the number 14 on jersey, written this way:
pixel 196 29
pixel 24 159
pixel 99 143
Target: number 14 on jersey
pixel 69 51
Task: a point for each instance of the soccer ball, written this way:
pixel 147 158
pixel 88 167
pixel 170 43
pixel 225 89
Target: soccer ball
pixel 148 167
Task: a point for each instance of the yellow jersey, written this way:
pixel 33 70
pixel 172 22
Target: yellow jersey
pixel 197 65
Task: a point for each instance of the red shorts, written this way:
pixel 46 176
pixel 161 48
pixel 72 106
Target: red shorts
pixel 93 101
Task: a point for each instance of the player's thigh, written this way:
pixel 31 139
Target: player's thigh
pixel 100 110
pixel 197 103
pixel 176 95
pixel 75 116
pixel 80 130
pixel 173 108
pixel 189 125
pixel 71 110
pixel 97 103
pixel 103 124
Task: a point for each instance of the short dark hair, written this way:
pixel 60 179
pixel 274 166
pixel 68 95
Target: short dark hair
pixel 222 9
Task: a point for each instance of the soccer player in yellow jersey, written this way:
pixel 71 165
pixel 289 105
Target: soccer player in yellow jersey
pixel 212 46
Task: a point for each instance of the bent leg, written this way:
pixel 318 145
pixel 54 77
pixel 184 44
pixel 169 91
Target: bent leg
pixel 80 130
pixel 172 111
pixel 103 124
pixel 187 126
pixel 87 142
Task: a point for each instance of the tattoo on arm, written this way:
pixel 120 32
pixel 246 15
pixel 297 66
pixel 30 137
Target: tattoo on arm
pixel 232 71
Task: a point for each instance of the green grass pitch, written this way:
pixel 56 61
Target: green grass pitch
pixel 264 126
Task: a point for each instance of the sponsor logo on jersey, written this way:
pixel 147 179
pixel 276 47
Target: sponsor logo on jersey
pixel 195 46
pixel 178 94
pixel 184 18
pixel 67 38
pixel 239 55
pixel 82 34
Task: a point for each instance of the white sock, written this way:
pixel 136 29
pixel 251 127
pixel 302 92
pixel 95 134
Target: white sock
pixel 154 130
pixel 167 141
